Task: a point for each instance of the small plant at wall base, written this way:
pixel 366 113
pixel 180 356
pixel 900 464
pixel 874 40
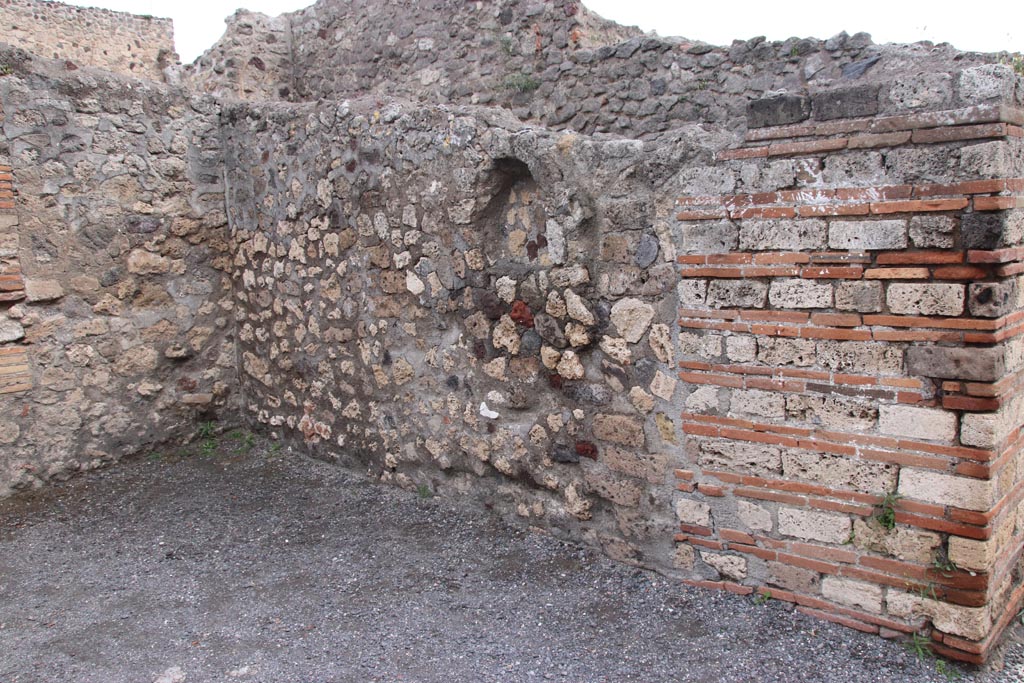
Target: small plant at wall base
pixel 5 69
pixel 886 515
pixel 942 563
pixel 1015 61
pixel 521 83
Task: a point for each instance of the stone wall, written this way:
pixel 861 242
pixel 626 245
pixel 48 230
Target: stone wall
pixel 86 36
pixel 451 301
pixel 557 64
pixel 768 341
pixel 113 326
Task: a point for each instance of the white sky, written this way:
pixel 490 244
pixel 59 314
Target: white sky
pixel 992 26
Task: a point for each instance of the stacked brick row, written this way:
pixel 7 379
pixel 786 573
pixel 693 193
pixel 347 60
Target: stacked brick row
pixel 14 368
pixel 855 353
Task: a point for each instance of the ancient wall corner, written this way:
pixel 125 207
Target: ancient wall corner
pixel 850 327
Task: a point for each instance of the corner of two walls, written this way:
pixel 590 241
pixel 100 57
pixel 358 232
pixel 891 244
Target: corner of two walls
pixel 851 324
pixel 463 306
pixel 114 330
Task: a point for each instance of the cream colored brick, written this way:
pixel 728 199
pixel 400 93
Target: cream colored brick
pixel 756 517
pixel 946 489
pixel 741 349
pixel 865 596
pixel 931 424
pixel 975 555
pixel 973 623
pixel 925 298
pixel 798 293
pixel 693 512
pixel 967 553
pixel 838 472
pixel 814 526
pixel 684 557
pixel 760 403
pixel 663 386
pixel 729 566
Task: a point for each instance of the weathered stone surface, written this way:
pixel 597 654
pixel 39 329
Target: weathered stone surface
pixel 867 235
pixel 632 317
pixel 786 235
pixel 838 472
pixel 142 262
pixel 932 424
pixel 946 489
pixel 621 429
pixel 755 516
pixel 814 526
pixel 708 237
pixel 778 110
pixel 37 291
pixel 859 296
pixel 797 293
pixel 693 512
pixel 733 567
pixel 738 456
pixel 845 103
pixel 925 298
pixel 11 331
pixel 736 294
pixel 950 362
pixel 857 594
pixel 794 578
pixel 569 365
pixel 577 309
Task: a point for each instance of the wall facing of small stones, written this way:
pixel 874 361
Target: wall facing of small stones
pixel 559 65
pixel 114 322
pixel 87 36
pixel 761 331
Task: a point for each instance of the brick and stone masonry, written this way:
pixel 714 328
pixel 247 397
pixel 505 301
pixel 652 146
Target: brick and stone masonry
pixel 762 331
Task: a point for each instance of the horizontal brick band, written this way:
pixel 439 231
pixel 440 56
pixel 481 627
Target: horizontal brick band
pixel 979 114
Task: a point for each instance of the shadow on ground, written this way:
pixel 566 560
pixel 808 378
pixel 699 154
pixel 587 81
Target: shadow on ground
pixel 241 562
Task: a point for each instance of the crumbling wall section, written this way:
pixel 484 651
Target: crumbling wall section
pixel 252 61
pixel 124 43
pixel 113 326
pixel 557 64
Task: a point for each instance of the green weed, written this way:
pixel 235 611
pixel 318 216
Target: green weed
pixel 521 83
pixel 886 515
pixel 1014 60
pixel 762 597
pixel 424 491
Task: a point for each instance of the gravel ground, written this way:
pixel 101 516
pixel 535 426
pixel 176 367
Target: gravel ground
pixel 270 567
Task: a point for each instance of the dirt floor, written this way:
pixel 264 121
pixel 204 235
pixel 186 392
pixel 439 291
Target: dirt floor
pixel 242 562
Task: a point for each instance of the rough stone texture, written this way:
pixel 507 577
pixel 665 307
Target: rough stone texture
pixel 359 240
pixel 917 423
pixel 852 593
pixel 926 299
pixel 865 235
pixel 122 236
pixel 87 36
pixel 944 489
pixel 814 526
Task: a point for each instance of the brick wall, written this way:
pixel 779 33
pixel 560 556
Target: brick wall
pixel 117 41
pixel 851 328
